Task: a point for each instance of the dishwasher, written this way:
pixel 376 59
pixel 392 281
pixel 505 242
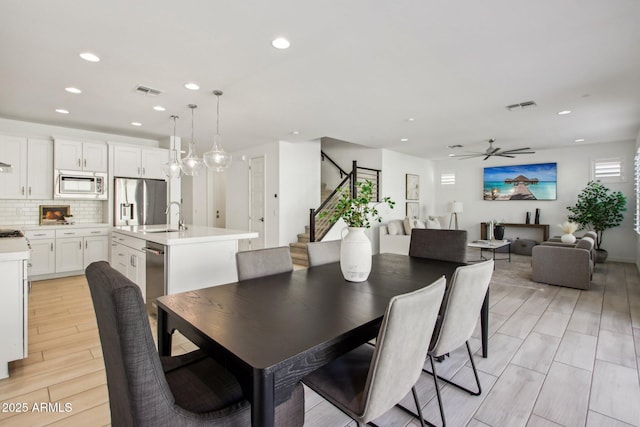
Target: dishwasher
pixel 156 275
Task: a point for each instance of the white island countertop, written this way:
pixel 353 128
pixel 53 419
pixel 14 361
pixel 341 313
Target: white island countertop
pixel 13 248
pixel 193 234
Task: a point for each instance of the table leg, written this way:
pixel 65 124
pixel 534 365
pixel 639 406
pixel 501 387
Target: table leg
pixel 484 325
pixel 262 406
pixel 164 334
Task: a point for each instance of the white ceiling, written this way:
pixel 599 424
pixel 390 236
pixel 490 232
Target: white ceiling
pixel 356 70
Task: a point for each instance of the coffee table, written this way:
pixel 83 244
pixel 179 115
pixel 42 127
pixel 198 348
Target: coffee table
pixel 491 245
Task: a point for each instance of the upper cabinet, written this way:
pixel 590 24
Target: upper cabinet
pixel 80 156
pixel 137 162
pixel 31 176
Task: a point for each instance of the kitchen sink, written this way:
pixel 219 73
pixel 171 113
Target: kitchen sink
pixel 166 230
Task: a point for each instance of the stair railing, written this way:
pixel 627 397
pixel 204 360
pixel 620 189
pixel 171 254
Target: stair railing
pixel 319 224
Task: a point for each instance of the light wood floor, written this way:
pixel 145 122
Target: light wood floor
pixel 557 356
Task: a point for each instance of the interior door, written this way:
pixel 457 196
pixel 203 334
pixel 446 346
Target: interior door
pixel 257 208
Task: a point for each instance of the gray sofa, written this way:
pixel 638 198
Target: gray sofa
pixel 559 264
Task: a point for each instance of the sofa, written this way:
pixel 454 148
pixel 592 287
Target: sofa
pixel 395 235
pixel 570 266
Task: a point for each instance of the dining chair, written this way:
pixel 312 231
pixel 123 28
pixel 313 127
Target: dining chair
pixel 263 262
pixel 457 321
pixel 443 245
pixel 368 381
pixel 323 252
pixel 148 390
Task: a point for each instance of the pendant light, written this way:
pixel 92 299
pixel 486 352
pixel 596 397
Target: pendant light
pixel 191 164
pixel 217 158
pixel 5 167
pixel 172 168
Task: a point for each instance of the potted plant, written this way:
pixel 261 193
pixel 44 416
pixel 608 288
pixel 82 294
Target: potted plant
pixel 357 211
pixel 598 209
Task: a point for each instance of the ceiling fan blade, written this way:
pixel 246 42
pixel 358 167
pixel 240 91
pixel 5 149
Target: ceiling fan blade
pixel 517 150
pixel 486 157
pixel 493 151
pixel 470 154
pixel 504 154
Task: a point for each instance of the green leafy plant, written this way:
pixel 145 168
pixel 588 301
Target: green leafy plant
pixel 598 209
pixel 358 211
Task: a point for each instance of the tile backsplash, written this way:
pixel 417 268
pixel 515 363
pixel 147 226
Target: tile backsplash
pixel 27 212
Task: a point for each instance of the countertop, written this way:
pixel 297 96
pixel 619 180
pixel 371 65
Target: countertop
pixel 193 234
pixel 13 248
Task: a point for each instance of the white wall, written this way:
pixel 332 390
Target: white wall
pixel 631 206
pixel 299 187
pixel 237 197
pixel 574 171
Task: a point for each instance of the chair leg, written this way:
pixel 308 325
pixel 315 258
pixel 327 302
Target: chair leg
pixel 435 381
pixel 415 399
pixel 475 374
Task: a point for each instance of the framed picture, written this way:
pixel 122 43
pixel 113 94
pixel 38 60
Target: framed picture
pixel 413 209
pixel 521 182
pixel 53 214
pixel 413 187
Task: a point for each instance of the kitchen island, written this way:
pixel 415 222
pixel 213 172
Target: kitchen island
pixel 194 258
pixel 14 298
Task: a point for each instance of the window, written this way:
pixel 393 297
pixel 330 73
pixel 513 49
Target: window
pixel 447 178
pixel 607 170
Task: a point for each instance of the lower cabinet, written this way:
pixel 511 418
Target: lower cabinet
pixel 66 250
pixel 129 258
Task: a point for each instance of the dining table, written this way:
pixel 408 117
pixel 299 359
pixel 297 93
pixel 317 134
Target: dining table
pixel 272 331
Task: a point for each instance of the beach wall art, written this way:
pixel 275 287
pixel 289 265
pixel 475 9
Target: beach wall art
pixel 521 182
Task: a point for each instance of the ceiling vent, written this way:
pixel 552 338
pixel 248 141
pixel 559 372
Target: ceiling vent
pixel 521 105
pixel 146 90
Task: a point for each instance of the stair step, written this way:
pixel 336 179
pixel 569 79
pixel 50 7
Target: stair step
pixel 298 245
pixel 303 238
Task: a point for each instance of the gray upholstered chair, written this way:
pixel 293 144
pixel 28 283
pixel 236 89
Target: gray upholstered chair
pixel 558 264
pixel 323 252
pixel 556 241
pixel 461 306
pixel 263 262
pixel 444 245
pixel 368 381
pixel 148 390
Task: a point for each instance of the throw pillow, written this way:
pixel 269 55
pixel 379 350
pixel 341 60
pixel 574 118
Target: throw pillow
pixel 419 224
pixel 394 228
pixel 433 223
pixel 408 225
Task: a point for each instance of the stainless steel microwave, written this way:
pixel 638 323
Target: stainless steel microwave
pixel 80 185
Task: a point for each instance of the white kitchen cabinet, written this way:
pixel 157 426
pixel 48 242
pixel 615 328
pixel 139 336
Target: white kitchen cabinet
pixel 43 252
pixel 32 168
pixel 137 162
pixel 80 156
pixel 77 248
pixel 96 248
pixel 69 254
pixel 129 258
pixel 13 312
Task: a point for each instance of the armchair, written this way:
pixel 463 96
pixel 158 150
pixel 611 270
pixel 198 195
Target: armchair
pixel 557 264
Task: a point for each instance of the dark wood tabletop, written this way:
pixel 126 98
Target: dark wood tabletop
pixel 272 331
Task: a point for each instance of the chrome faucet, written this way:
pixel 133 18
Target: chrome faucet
pixel 181 225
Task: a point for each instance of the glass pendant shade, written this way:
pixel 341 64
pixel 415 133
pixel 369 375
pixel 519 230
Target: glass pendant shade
pixel 191 164
pixel 172 168
pixel 217 159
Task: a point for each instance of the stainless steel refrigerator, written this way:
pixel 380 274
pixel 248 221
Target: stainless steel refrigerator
pixel 140 201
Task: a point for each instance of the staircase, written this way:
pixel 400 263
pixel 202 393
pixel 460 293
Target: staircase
pixel 299 248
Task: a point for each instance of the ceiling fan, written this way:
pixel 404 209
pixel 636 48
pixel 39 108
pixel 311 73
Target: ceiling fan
pixel 491 151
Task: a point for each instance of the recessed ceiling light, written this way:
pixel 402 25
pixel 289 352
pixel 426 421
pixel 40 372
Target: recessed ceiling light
pixel 192 86
pixel 580 140
pixel 281 43
pixel 72 90
pixel 136 124
pixel 564 112
pixel 404 139
pixel 62 111
pixel 451 155
pixel 411 119
pixel 159 108
pixel 88 56
pixel 295 132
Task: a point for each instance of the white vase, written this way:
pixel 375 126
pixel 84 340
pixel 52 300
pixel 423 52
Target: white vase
pixel 568 238
pixel 355 255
